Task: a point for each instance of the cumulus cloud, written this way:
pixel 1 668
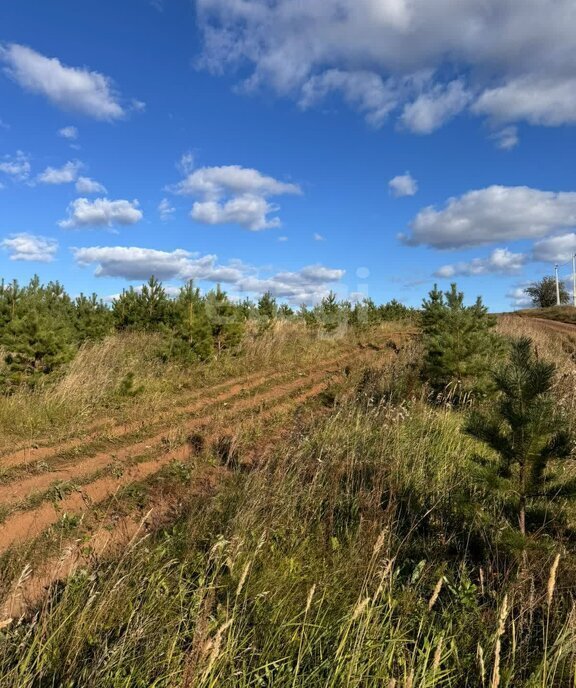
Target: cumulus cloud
pixel 16 166
pixel 496 213
pixel 403 185
pixel 30 247
pixel 308 285
pixel 234 194
pixel 556 249
pixel 248 211
pixel 215 182
pixel 424 60
pixel 69 88
pixel 133 263
pixel 86 185
pixel 69 133
pixel 101 213
pixel 431 110
pixel 500 262
pixel 536 98
pixel 66 174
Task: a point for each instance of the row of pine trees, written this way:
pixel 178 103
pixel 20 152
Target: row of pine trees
pixel 42 326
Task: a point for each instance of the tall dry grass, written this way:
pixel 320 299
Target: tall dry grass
pixel 556 346
pixel 88 391
pixel 354 556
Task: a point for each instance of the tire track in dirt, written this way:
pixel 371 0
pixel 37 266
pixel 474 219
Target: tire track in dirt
pixel 25 525
pixel 202 400
pixel 14 492
pixel 110 429
pixel 119 535
pixel 110 535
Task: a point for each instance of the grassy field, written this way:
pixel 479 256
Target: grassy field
pixel 565 314
pixel 298 515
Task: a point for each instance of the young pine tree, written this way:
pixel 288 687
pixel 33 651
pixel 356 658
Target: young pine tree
pixel 192 331
pixel 458 341
pixel 225 320
pixel 285 312
pixel 156 306
pixel 148 309
pixel 93 319
pixel 524 427
pixel 329 312
pixel 35 344
pixel 267 311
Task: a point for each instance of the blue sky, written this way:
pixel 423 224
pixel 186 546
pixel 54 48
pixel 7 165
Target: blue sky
pixel 367 146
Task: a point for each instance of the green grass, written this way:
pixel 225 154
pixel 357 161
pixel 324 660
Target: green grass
pixel 350 558
pixel 362 551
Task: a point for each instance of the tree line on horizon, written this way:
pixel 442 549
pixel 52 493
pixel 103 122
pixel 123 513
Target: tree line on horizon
pixel 42 326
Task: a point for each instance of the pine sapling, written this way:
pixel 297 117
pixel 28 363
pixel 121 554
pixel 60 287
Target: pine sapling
pixel 525 428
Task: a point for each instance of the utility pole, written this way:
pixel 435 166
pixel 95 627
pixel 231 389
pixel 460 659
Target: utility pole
pixel 557 285
pixel 574 279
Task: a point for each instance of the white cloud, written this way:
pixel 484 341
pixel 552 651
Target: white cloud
pixel 425 60
pixel 248 211
pixel 216 182
pixel 282 239
pixel 496 213
pixel 307 285
pixel 506 138
pixel 16 166
pixel 70 88
pixel 133 263
pixel 30 247
pixel 166 210
pixel 70 133
pixel 318 237
pixel 365 91
pixel 433 109
pixel 500 262
pixel 557 249
pixel 234 194
pixel 543 99
pixel 3 125
pixel 86 185
pixel 518 297
pixel 403 185
pixel 101 213
pixel 66 174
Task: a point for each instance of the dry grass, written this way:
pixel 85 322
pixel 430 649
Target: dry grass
pixel 89 391
pixel 554 345
pixel 319 568
pixel 565 314
pixel 361 553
